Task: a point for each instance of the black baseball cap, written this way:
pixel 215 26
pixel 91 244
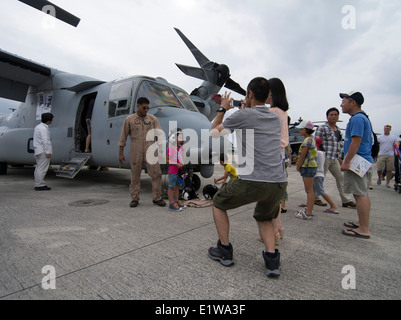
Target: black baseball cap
pixel 355 95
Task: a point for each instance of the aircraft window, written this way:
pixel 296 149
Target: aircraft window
pixel 112 109
pixel 123 108
pixel 122 104
pixel 119 108
pixel 186 100
pixel 121 90
pixel 159 95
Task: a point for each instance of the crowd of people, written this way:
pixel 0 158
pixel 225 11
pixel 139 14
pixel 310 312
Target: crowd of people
pixel 261 179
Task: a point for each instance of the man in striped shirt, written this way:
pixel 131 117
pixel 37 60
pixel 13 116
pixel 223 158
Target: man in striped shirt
pixel 331 141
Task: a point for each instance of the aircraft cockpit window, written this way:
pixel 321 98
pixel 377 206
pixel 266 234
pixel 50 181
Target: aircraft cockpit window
pixel 186 100
pixel 158 94
pixel 161 95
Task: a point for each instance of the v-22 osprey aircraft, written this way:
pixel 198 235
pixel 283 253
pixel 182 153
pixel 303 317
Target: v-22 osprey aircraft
pixel 68 96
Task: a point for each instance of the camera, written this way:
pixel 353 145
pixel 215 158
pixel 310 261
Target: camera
pixel 237 103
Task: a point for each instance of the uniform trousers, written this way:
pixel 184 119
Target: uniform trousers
pixel 155 174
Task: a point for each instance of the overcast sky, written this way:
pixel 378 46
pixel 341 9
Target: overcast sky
pixel 303 42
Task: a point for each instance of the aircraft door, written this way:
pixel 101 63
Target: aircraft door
pixel 83 123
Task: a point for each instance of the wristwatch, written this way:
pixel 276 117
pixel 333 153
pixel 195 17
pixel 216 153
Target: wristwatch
pixel 221 109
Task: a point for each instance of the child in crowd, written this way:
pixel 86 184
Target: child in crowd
pixel 319 178
pixel 175 160
pixel 229 169
pixel 307 166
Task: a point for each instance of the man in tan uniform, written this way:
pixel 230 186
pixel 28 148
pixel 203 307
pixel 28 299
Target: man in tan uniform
pixel 137 127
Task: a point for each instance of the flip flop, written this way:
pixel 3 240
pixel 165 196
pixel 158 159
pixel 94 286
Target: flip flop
pixel 354 234
pixel 331 211
pixel 351 225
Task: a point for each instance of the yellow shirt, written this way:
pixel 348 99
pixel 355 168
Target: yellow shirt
pixel 232 172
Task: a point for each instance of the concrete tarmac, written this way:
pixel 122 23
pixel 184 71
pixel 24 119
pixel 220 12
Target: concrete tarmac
pixel 82 241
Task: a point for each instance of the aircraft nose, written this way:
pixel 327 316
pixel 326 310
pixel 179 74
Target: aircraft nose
pixel 200 147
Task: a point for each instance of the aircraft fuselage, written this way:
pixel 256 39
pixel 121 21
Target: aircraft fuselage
pixel 114 101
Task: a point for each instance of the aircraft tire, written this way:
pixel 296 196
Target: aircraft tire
pixel 3 168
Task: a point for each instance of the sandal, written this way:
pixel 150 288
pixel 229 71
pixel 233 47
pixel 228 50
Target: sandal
pixel 353 233
pixel 331 211
pixel 351 225
pixel 301 214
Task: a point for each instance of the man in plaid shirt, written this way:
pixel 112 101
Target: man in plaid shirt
pixel 331 141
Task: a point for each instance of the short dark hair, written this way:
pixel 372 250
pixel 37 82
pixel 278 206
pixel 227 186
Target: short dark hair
pixel 331 110
pixel 260 88
pixel 310 131
pixel 46 117
pixel 279 95
pixel 143 100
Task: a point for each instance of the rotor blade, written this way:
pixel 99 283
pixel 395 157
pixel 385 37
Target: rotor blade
pixel 202 60
pixel 199 73
pixel 232 85
pixel 53 10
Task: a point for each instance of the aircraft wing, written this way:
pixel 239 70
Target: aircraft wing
pixel 17 74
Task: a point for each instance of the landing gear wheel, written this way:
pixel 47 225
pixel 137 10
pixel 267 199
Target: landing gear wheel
pixel 196 182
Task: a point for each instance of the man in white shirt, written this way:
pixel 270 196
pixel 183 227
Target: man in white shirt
pixel 43 151
pixel 385 160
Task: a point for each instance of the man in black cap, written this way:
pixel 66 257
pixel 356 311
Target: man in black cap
pixel 358 141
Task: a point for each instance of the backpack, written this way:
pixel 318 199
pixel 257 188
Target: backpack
pixel 376 145
pixel 209 191
pixel 189 193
